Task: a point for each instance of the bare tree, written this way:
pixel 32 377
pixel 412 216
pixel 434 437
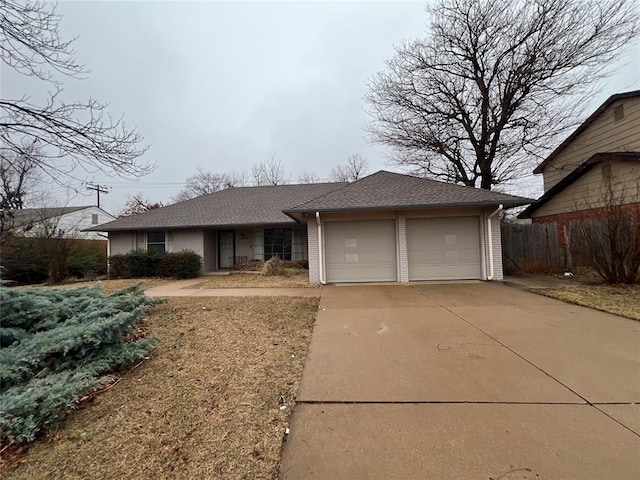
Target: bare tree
pixel 19 177
pixel 72 135
pixel 204 183
pixel 138 204
pixel 494 83
pixel 308 177
pixel 355 168
pixel 607 238
pixel 270 172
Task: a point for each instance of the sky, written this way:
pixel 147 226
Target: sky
pixel 226 85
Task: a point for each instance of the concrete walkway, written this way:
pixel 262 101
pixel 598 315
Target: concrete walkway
pixel 468 381
pixel 180 288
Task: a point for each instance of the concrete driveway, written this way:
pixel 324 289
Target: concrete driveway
pixel 476 380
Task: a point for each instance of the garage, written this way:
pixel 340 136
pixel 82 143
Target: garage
pixel 443 248
pixel 360 251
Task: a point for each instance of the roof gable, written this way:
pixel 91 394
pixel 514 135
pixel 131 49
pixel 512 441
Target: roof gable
pixel 387 190
pixel 584 125
pixel 576 174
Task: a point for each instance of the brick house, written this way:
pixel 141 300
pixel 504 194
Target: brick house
pixel 599 163
pixel 384 227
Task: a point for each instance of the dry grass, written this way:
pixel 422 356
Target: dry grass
pixel 206 405
pixel 290 279
pixel 621 300
pixel 110 286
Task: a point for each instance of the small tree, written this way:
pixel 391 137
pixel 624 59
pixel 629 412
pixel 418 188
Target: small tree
pixel 138 204
pixel 308 177
pixel 609 242
pixel 270 172
pixel 355 168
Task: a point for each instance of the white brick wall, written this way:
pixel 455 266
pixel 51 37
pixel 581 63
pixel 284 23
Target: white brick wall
pixel 314 256
pixel 188 240
pixel 403 261
pixel 121 242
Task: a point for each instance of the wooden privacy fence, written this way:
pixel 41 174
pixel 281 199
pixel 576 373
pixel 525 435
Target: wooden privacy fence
pixel 531 248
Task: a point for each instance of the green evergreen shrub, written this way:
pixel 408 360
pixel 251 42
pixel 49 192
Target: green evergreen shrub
pixel 139 263
pixel 87 260
pixel 23 261
pixel 185 264
pixel 56 346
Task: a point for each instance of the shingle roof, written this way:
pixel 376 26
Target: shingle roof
pixel 576 174
pixel 386 190
pixel 231 207
pixel 26 215
pixel 584 125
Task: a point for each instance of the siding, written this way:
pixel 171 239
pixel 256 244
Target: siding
pixel 587 191
pixel 603 135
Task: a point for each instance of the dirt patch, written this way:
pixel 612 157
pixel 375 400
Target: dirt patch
pixel 621 300
pixel 289 279
pixel 206 404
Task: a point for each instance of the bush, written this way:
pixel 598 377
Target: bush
pixel 23 261
pixel 87 260
pixel 140 263
pixel 185 264
pixel 56 346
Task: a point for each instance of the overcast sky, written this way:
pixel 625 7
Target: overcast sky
pixel 224 85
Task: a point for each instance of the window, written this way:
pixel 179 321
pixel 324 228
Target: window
pixel 94 218
pixel 155 242
pixel 618 112
pixel 277 243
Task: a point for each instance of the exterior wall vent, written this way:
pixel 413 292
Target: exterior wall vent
pixel 618 113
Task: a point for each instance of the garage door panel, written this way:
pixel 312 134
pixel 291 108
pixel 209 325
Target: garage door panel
pixel 360 251
pixel 443 248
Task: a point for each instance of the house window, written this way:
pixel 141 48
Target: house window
pixel 618 113
pixel 94 218
pixel 277 243
pixel 156 242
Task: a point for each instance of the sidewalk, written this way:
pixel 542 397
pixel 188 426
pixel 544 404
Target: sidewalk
pixel 180 288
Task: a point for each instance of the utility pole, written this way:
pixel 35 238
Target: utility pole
pixel 98 189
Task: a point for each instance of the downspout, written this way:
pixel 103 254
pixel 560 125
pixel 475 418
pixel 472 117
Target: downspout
pixel 320 252
pixel 490 235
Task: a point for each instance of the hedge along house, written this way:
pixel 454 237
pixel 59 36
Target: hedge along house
pixel 384 227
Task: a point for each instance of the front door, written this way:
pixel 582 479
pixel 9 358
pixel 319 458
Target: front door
pixel 226 249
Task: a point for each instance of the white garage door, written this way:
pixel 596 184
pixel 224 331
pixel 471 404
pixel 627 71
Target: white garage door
pixel 443 248
pixel 360 251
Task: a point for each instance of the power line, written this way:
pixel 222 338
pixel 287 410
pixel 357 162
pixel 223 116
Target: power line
pixel 98 189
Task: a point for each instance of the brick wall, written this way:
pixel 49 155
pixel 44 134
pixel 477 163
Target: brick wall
pixel 403 261
pixel 314 256
pixel 562 219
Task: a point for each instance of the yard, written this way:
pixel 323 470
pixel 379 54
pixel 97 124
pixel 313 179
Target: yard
pixel 289 279
pixel 207 404
pixel 621 300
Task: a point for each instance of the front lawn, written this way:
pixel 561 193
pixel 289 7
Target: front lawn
pixel 290 279
pixel 621 300
pixel 207 404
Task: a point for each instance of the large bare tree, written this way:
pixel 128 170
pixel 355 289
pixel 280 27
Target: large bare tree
pixel 203 183
pixel 70 135
pixel 354 169
pixel 494 83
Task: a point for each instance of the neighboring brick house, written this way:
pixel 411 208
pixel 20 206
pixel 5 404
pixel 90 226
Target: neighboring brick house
pixel 384 227
pixel 599 160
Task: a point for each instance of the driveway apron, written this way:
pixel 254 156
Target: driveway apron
pixel 473 380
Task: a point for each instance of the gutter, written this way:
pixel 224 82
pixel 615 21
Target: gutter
pixel 320 252
pixel 490 235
